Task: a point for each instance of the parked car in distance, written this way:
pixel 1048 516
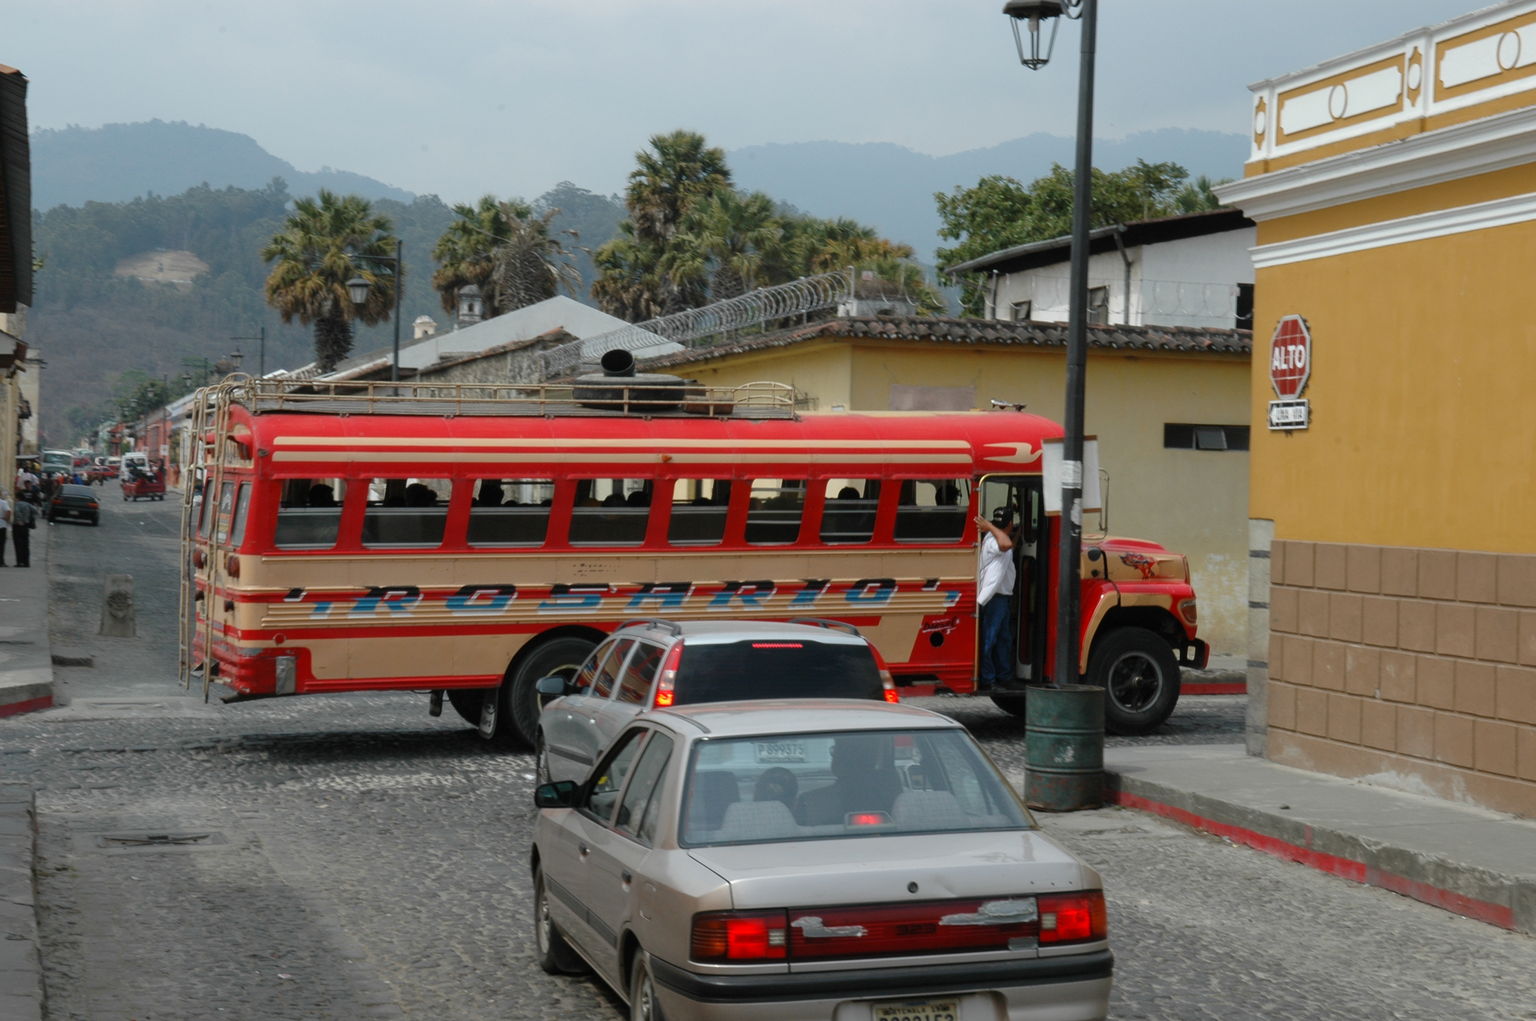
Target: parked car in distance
pixel 74 501
pixel 653 663
pixel 793 859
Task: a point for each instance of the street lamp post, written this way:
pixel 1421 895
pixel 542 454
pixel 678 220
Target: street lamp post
pixel 1064 720
pixel 357 290
pixel 1029 15
pixel 261 350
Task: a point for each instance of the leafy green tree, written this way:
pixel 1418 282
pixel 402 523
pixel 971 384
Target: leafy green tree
pixel 315 254
pixel 998 212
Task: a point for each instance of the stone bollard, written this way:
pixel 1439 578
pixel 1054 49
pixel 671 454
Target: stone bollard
pixel 117 607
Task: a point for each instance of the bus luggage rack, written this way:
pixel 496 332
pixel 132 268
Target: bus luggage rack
pixel 615 396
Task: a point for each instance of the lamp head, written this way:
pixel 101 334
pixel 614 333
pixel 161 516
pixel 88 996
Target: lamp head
pixel 357 290
pixel 1030 13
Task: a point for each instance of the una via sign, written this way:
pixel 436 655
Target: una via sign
pixel 1290 367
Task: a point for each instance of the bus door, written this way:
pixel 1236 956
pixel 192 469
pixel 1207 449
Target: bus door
pixel 1021 494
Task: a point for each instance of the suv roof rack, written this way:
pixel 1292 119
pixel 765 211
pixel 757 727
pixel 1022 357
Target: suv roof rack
pixel 839 625
pixel 661 622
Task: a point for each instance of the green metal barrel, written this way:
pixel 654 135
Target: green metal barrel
pixel 1064 747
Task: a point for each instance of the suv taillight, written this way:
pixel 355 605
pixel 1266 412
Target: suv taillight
pixel 665 692
pixel 721 936
pixel 887 682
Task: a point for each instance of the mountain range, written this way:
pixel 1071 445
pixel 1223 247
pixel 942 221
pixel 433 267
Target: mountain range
pixel 886 186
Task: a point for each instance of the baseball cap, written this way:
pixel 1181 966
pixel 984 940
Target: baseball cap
pixel 1003 516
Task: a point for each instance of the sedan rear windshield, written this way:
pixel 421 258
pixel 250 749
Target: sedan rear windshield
pixel 809 786
pixel 773 668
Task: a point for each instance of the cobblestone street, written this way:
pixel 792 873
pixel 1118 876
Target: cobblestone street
pixel 352 857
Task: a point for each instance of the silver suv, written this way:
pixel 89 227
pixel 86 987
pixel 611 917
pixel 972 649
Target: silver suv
pixel 649 664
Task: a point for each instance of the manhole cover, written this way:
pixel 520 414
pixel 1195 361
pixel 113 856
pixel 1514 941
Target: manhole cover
pixel 153 839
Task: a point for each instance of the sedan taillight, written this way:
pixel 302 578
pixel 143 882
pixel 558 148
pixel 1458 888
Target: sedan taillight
pixel 1073 918
pixel 738 936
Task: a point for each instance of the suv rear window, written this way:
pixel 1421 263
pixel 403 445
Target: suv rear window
pixel 775 668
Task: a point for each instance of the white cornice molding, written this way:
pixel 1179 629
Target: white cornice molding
pixel 1461 220
pixel 1488 144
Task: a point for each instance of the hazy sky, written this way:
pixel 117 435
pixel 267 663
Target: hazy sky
pixel 467 97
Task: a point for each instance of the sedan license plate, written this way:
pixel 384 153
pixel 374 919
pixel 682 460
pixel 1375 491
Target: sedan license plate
pixel 780 751
pixel 918 1010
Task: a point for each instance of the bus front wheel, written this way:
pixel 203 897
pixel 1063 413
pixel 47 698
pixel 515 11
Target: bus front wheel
pixel 1140 679
pixel 519 694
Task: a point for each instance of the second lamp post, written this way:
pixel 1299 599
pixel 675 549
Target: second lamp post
pixel 358 288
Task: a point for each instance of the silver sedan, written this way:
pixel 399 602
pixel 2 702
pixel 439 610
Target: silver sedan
pixel 819 859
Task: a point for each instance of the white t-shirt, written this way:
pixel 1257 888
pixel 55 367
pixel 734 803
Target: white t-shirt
pixel 997 571
pixel 5 513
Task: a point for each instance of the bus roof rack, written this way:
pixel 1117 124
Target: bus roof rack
pixel 617 399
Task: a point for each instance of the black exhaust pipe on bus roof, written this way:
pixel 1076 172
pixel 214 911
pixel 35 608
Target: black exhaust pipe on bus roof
pixel 618 362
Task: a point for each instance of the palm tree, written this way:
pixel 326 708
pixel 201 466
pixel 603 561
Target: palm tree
pixel 464 252
pixel 529 264
pixel 666 183
pixel 733 237
pixel 314 256
pixel 640 276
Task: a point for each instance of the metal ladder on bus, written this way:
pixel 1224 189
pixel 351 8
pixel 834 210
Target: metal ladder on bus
pixel 209 421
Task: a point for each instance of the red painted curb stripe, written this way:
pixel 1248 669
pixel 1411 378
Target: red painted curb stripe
pixel 1215 688
pixel 1456 903
pixel 31 705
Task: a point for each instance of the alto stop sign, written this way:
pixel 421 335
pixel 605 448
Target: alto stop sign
pixel 1290 357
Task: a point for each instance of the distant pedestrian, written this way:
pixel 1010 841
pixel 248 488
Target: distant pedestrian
pixel 5 522
pixel 23 520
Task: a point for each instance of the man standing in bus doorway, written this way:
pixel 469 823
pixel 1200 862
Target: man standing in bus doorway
pixel 994 595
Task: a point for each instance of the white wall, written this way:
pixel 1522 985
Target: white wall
pixel 1190 282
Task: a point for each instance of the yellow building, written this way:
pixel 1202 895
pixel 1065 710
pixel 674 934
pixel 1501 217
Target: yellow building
pixel 1395 627
pixel 1166 403
pixel 15 267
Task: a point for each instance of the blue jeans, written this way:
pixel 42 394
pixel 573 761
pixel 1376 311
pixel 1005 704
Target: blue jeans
pixel 997 641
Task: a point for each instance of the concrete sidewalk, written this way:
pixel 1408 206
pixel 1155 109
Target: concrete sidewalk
pixel 1467 860
pixel 26 684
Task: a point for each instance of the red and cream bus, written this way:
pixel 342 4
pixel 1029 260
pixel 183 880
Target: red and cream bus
pixel 467 540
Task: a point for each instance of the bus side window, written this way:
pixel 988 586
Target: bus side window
pixel 932 510
pixel 774 515
pixel 848 515
pixel 698 512
pixel 611 512
pixel 309 514
pixel 417 521
pixel 510 512
pixel 242 511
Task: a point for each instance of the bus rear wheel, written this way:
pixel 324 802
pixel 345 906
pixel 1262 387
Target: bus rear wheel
pixel 1140 679
pixel 519 693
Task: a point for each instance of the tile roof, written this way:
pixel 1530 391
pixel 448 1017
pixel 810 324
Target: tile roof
pixel 938 330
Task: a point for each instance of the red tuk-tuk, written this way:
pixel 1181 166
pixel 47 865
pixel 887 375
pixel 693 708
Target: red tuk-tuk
pixel 145 485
